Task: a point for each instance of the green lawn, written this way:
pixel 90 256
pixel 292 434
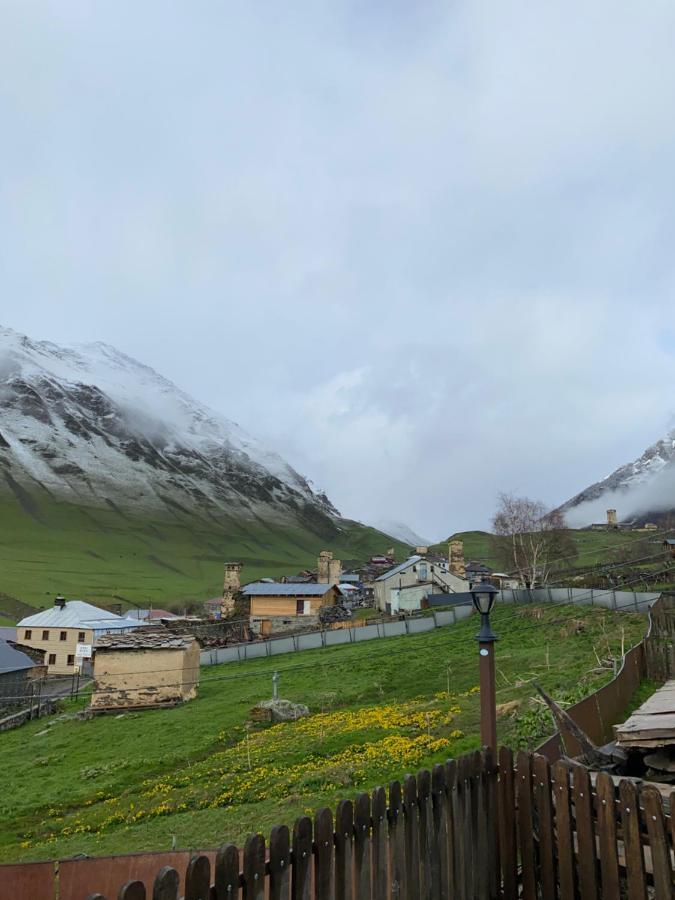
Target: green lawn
pixel 107 556
pixel 379 709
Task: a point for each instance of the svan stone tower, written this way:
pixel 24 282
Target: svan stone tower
pixel 328 570
pixel 456 559
pixel 231 586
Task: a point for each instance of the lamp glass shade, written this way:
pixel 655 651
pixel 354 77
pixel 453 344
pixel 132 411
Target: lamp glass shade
pixel 484 595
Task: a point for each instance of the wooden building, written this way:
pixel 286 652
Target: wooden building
pixel 275 607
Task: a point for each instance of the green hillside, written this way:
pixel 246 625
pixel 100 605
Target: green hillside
pixel 379 709
pixel 109 556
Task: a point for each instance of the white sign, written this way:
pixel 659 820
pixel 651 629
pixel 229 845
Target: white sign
pixel 83 651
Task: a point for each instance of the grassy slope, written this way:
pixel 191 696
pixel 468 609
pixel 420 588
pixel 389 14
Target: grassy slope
pixel 148 766
pixel 593 547
pixel 106 556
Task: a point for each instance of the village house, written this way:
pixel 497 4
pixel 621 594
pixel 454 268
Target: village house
pixel 144 668
pixel 19 672
pixel 669 546
pixel 275 607
pixel 405 587
pixel 67 632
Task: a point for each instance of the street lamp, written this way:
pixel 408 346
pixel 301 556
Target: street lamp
pixel 484 595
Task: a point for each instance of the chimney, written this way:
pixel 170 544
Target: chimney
pixel 456 559
pixel 611 518
pixel 60 602
pixel 323 567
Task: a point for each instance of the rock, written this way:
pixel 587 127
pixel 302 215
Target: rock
pixel 278 711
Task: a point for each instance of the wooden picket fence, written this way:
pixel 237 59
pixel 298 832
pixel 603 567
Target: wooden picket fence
pixel 468 829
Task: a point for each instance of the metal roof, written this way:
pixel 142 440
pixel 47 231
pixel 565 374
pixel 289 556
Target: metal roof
pixel 12 660
pixel 261 589
pixel 401 567
pixel 75 614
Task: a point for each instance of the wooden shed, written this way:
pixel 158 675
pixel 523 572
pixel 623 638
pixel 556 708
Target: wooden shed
pixel 144 668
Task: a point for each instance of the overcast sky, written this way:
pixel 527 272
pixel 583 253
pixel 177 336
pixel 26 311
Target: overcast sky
pixel 424 250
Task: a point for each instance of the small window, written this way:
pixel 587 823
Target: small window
pixel 52 659
pixel 63 635
pixel 80 637
pixel 28 634
pixel 71 659
pixel 45 635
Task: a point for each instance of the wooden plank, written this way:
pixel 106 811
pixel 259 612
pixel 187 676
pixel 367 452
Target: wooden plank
pixel 544 807
pixel 132 890
pixel 301 875
pixel 439 846
pixel 672 820
pixel 630 821
pixel 379 844
pixel 586 852
pixel 254 868
pixel 425 819
pixel 227 873
pixel 525 824
pixel 506 811
pixel 198 879
pixel 344 831
pixel 323 859
pixel 411 827
pixel 166 884
pixel 362 847
pixel 450 831
pixel 652 814
pixel 492 824
pixel 280 863
pixel 463 863
pixel 564 836
pixel 609 859
pixel 397 866
pixel 480 822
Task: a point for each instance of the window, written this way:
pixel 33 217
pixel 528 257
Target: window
pixel 63 635
pixel 28 634
pixel 299 607
pixel 52 659
pixel 45 635
pixel 71 659
pixel 80 637
pixel 422 572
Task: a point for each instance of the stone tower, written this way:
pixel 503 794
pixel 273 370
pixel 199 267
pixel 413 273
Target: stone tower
pixel 611 518
pixel 231 585
pixel 334 571
pixel 456 558
pixel 323 566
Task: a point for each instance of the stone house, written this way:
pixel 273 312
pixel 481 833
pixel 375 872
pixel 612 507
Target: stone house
pixel 418 572
pixel 19 673
pixel 144 668
pixel 67 632
pixel 275 607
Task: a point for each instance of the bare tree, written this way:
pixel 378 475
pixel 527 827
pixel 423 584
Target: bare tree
pixel 528 539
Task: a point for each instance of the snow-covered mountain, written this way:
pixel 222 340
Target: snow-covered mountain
pixel 93 426
pixel 401 532
pixel 640 491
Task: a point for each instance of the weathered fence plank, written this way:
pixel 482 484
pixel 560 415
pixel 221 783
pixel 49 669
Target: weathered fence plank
pixel 198 879
pixel 344 831
pixel 439 842
pixel 226 885
pixel 361 852
pixel 583 811
pixel 397 866
pixel 464 842
pixel 450 835
pixel 280 858
pixel 492 823
pixel 609 859
pixel 564 836
pixel 479 824
pixel 425 821
pixel 379 854
pixel 166 884
pixel 411 829
pixel 323 860
pixel 133 890
pixel 658 842
pixel 525 823
pixel 506 809
pixel 544 808
pixel 630 822
pixel 301 877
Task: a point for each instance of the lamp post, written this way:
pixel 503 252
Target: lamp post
pixel 484 595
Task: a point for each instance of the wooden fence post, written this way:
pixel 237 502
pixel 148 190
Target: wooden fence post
pixel 280 869
pixel 506 810
pixel 344 831
pixel 301 876
pixel 609 859
pixel 227 873
pixel 254 868
pixel 425 821
pixel 166 884
pixel 451 838
pixel 379 854
pixel 132 890
pixel 323 858
pixel 362 848
pixel 658 841
pixel 397 864
pixel 563 828
pixel 525 823
pixel 586 853
pixel 463 845
pixel 544 808
pixel 439 847
pixel 630 821
pixel 198 879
